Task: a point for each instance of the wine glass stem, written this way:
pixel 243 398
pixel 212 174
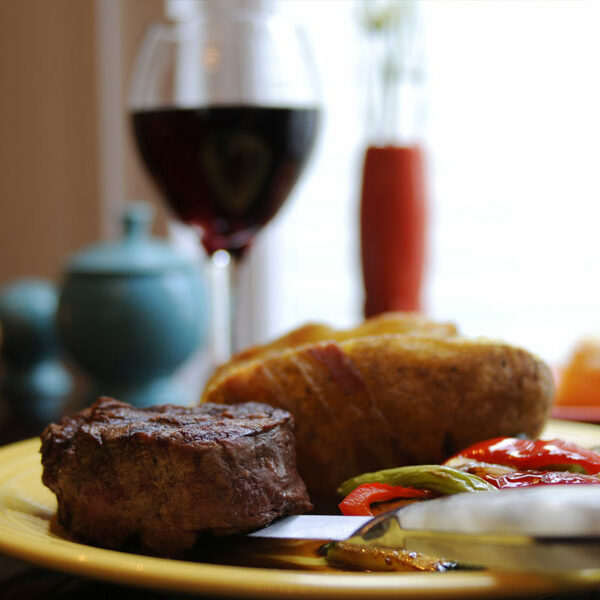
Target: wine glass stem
pixel 223 301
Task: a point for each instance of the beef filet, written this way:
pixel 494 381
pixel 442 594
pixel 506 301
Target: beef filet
pixel 161 476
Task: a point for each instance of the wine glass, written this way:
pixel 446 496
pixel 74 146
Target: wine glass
pixel 225 114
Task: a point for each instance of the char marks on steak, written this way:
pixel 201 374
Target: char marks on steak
pixel 162 476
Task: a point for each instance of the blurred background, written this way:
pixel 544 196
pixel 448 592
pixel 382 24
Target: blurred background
pixel 511 134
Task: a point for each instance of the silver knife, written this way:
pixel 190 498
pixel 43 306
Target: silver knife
pixel 313 527
pixel 541 529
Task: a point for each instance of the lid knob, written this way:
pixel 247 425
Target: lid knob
pixel 134 253
pixel 137 220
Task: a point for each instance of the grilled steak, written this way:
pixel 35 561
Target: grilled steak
pixel 159 477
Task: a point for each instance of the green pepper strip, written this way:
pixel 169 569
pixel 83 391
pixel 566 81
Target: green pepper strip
pixel 437 478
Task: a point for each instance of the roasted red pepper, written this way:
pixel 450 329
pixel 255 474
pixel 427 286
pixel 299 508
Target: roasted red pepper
pixel 534 454
pixel 532 478
pixel 358 501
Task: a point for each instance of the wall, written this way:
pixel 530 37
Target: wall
pixel 56 191
pixel 49 203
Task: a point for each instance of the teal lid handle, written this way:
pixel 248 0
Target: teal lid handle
pixel 137 220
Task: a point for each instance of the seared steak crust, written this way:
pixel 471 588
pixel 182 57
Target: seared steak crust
pixel 161 476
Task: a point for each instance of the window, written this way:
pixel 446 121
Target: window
pixel 514 156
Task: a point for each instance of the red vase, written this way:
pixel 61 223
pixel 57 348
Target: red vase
pixel 393 220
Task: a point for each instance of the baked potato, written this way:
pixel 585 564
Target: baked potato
pixel 371 398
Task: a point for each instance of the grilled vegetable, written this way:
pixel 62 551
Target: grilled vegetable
pixel 358 501
pixel 532 478
pixel 526 454
pixel 436 478
pixel 367 558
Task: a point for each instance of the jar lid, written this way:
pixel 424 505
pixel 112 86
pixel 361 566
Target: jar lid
pixel 135 253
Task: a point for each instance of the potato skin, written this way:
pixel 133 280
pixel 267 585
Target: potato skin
pixel 312 333
pixel 375 402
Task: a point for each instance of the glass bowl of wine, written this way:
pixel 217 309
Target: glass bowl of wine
pixel 225 113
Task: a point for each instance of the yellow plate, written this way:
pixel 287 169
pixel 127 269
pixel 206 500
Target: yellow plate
pixel 27 508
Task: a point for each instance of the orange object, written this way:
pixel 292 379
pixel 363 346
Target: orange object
pixel 579 383
pixel 392 217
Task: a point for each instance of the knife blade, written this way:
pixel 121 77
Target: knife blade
pixel 312 527
pixel 549 529
pixel 541 529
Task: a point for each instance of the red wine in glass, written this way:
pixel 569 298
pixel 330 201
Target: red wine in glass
pixel 226 168
pixel 224 114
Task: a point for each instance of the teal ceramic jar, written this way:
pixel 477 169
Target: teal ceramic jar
pixel 34 382
pixel 131 312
